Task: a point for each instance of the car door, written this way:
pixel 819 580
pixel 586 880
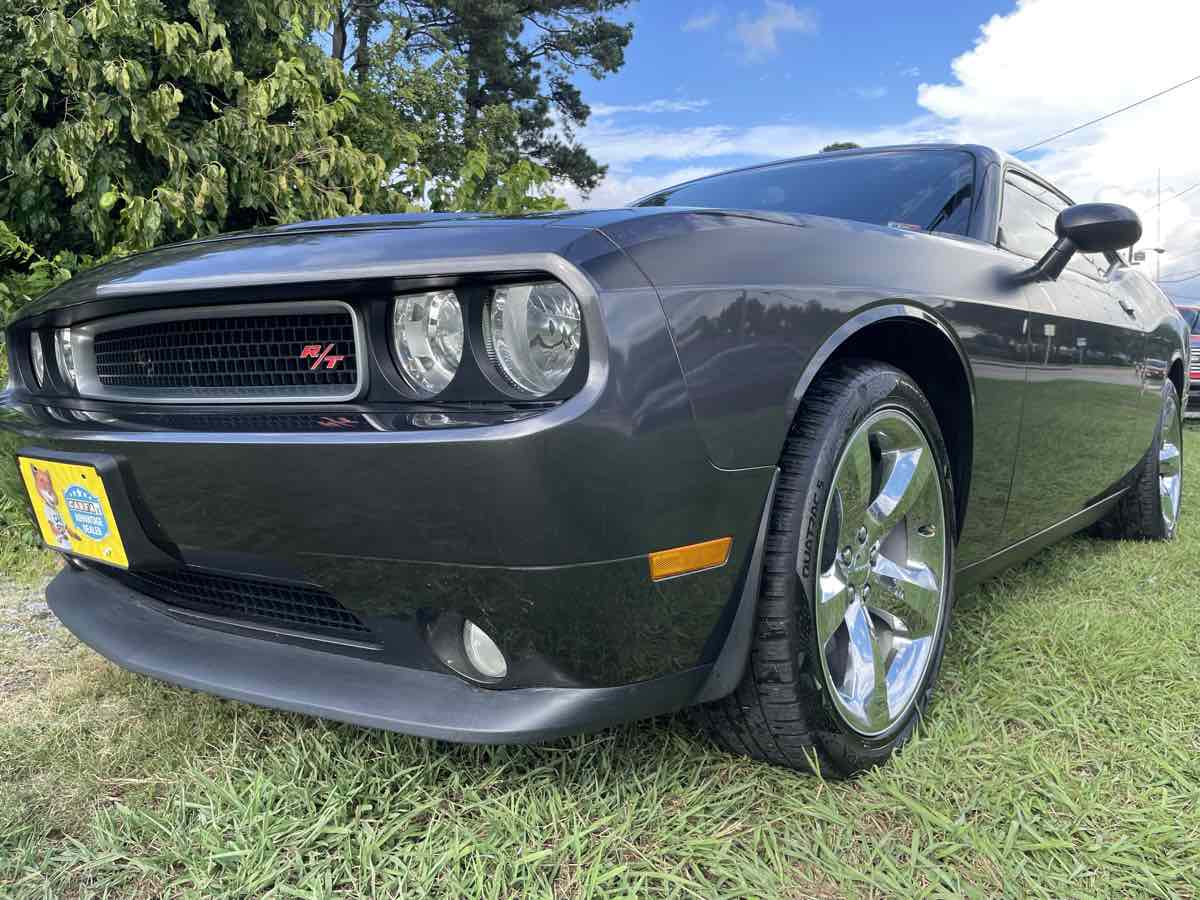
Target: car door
pixel 1082 380
pixel 1146 306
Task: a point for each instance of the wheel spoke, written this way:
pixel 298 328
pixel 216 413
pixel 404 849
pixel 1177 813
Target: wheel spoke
pixel 865 683
pixel 831 605
pixel 909 592
pixel 1168 460
pixel 854 486
pixel 906 666
pixel 908 473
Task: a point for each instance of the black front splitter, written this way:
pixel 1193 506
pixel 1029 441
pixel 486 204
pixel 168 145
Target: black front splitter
pixel 131 631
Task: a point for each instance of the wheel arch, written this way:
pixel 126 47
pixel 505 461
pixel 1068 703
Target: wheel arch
pixel 918 342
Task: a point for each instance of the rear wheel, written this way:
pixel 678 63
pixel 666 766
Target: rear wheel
pixel 1149 509
pixel 857 580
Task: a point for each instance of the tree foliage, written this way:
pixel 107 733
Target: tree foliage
pixel 512 64
pixel 839 145
pixel 129 123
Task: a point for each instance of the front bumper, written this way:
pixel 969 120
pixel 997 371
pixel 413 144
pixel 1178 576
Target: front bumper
pixel 139 635
pixel 538 531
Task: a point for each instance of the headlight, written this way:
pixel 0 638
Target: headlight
pixel 427 335
pixel 64 355
pixel 37 357
pixel 532 332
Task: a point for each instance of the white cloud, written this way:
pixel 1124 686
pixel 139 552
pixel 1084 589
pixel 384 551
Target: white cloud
pixel 621 146
pixel 1022 82
pixel 650 106
pixel 703 21
pixel 876 92
pixel 1031 73
pixel 911 72
pixel 621 188
pixel 759 37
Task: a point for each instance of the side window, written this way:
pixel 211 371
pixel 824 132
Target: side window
pixel 1027 224
pixel 1026 220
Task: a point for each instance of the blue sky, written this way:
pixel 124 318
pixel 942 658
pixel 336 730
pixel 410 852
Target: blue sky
pixel 710 85
pixel 848 65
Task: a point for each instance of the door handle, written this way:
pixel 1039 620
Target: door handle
pixel 1127 306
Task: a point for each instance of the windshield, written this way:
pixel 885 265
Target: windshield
pixel 920 190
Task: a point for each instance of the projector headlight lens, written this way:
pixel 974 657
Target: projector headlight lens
pixel 533 332
pixel 64 355
pixel 37 356
pixel 427 336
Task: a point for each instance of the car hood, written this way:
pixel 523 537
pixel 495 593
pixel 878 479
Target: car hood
pixel 354 248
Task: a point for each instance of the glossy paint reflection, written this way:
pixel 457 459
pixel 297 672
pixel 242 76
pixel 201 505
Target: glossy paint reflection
pixel 745 347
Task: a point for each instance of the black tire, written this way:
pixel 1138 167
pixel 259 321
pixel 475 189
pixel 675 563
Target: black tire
pixel 1138 515
pixel 782 712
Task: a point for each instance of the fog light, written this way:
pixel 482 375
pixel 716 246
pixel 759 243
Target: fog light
pixel 482 652
pixel 37 358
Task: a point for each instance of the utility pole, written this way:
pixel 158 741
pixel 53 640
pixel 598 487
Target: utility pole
pixel 1158 261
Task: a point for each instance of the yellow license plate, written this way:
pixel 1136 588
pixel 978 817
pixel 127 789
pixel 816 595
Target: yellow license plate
pixel 72 509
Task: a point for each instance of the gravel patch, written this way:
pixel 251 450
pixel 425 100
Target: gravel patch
pixel 24 614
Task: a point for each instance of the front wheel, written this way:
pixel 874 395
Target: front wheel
pixel 857 580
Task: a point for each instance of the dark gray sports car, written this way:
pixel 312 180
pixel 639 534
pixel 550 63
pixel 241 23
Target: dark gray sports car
pixel 483 479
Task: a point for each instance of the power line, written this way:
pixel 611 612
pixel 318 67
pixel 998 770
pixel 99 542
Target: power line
pixel 1186 190
pixel 1186 276
pixel 1115 112
pixel 1176 195
pixel 1175 256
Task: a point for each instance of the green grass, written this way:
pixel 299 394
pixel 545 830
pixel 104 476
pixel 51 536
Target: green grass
pixel 1061 756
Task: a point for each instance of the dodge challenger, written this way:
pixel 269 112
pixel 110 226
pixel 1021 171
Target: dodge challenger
pixel 732 448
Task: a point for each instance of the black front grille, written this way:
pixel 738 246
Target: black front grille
pixel 278 422
pixel 276 353
pixel 253 600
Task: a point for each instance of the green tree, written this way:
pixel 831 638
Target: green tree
pixel 515 57
pixel 131 122
pixel 839 145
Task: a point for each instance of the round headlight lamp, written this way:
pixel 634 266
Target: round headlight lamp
pixel 533 333
pixel 37 358
pixel 65 355
pixel 427 337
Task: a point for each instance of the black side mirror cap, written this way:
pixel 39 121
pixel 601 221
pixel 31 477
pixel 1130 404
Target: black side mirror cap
pixel 1099 227
pixel 1088 228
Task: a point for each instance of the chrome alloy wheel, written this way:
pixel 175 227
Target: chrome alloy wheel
pixel 1170 468
pixel 881 585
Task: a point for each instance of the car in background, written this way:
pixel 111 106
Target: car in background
pixel 501 479
pixel 1191 316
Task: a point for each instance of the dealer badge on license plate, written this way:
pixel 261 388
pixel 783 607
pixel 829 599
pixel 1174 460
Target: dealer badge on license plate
pixel 72 509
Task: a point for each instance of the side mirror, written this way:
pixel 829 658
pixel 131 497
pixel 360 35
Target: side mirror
pixel 1089 228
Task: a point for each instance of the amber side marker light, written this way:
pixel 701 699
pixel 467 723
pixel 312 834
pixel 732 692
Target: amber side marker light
pixel 692 558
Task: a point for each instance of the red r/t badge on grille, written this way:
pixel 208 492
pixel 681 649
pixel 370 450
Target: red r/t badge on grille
pixel 319 354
